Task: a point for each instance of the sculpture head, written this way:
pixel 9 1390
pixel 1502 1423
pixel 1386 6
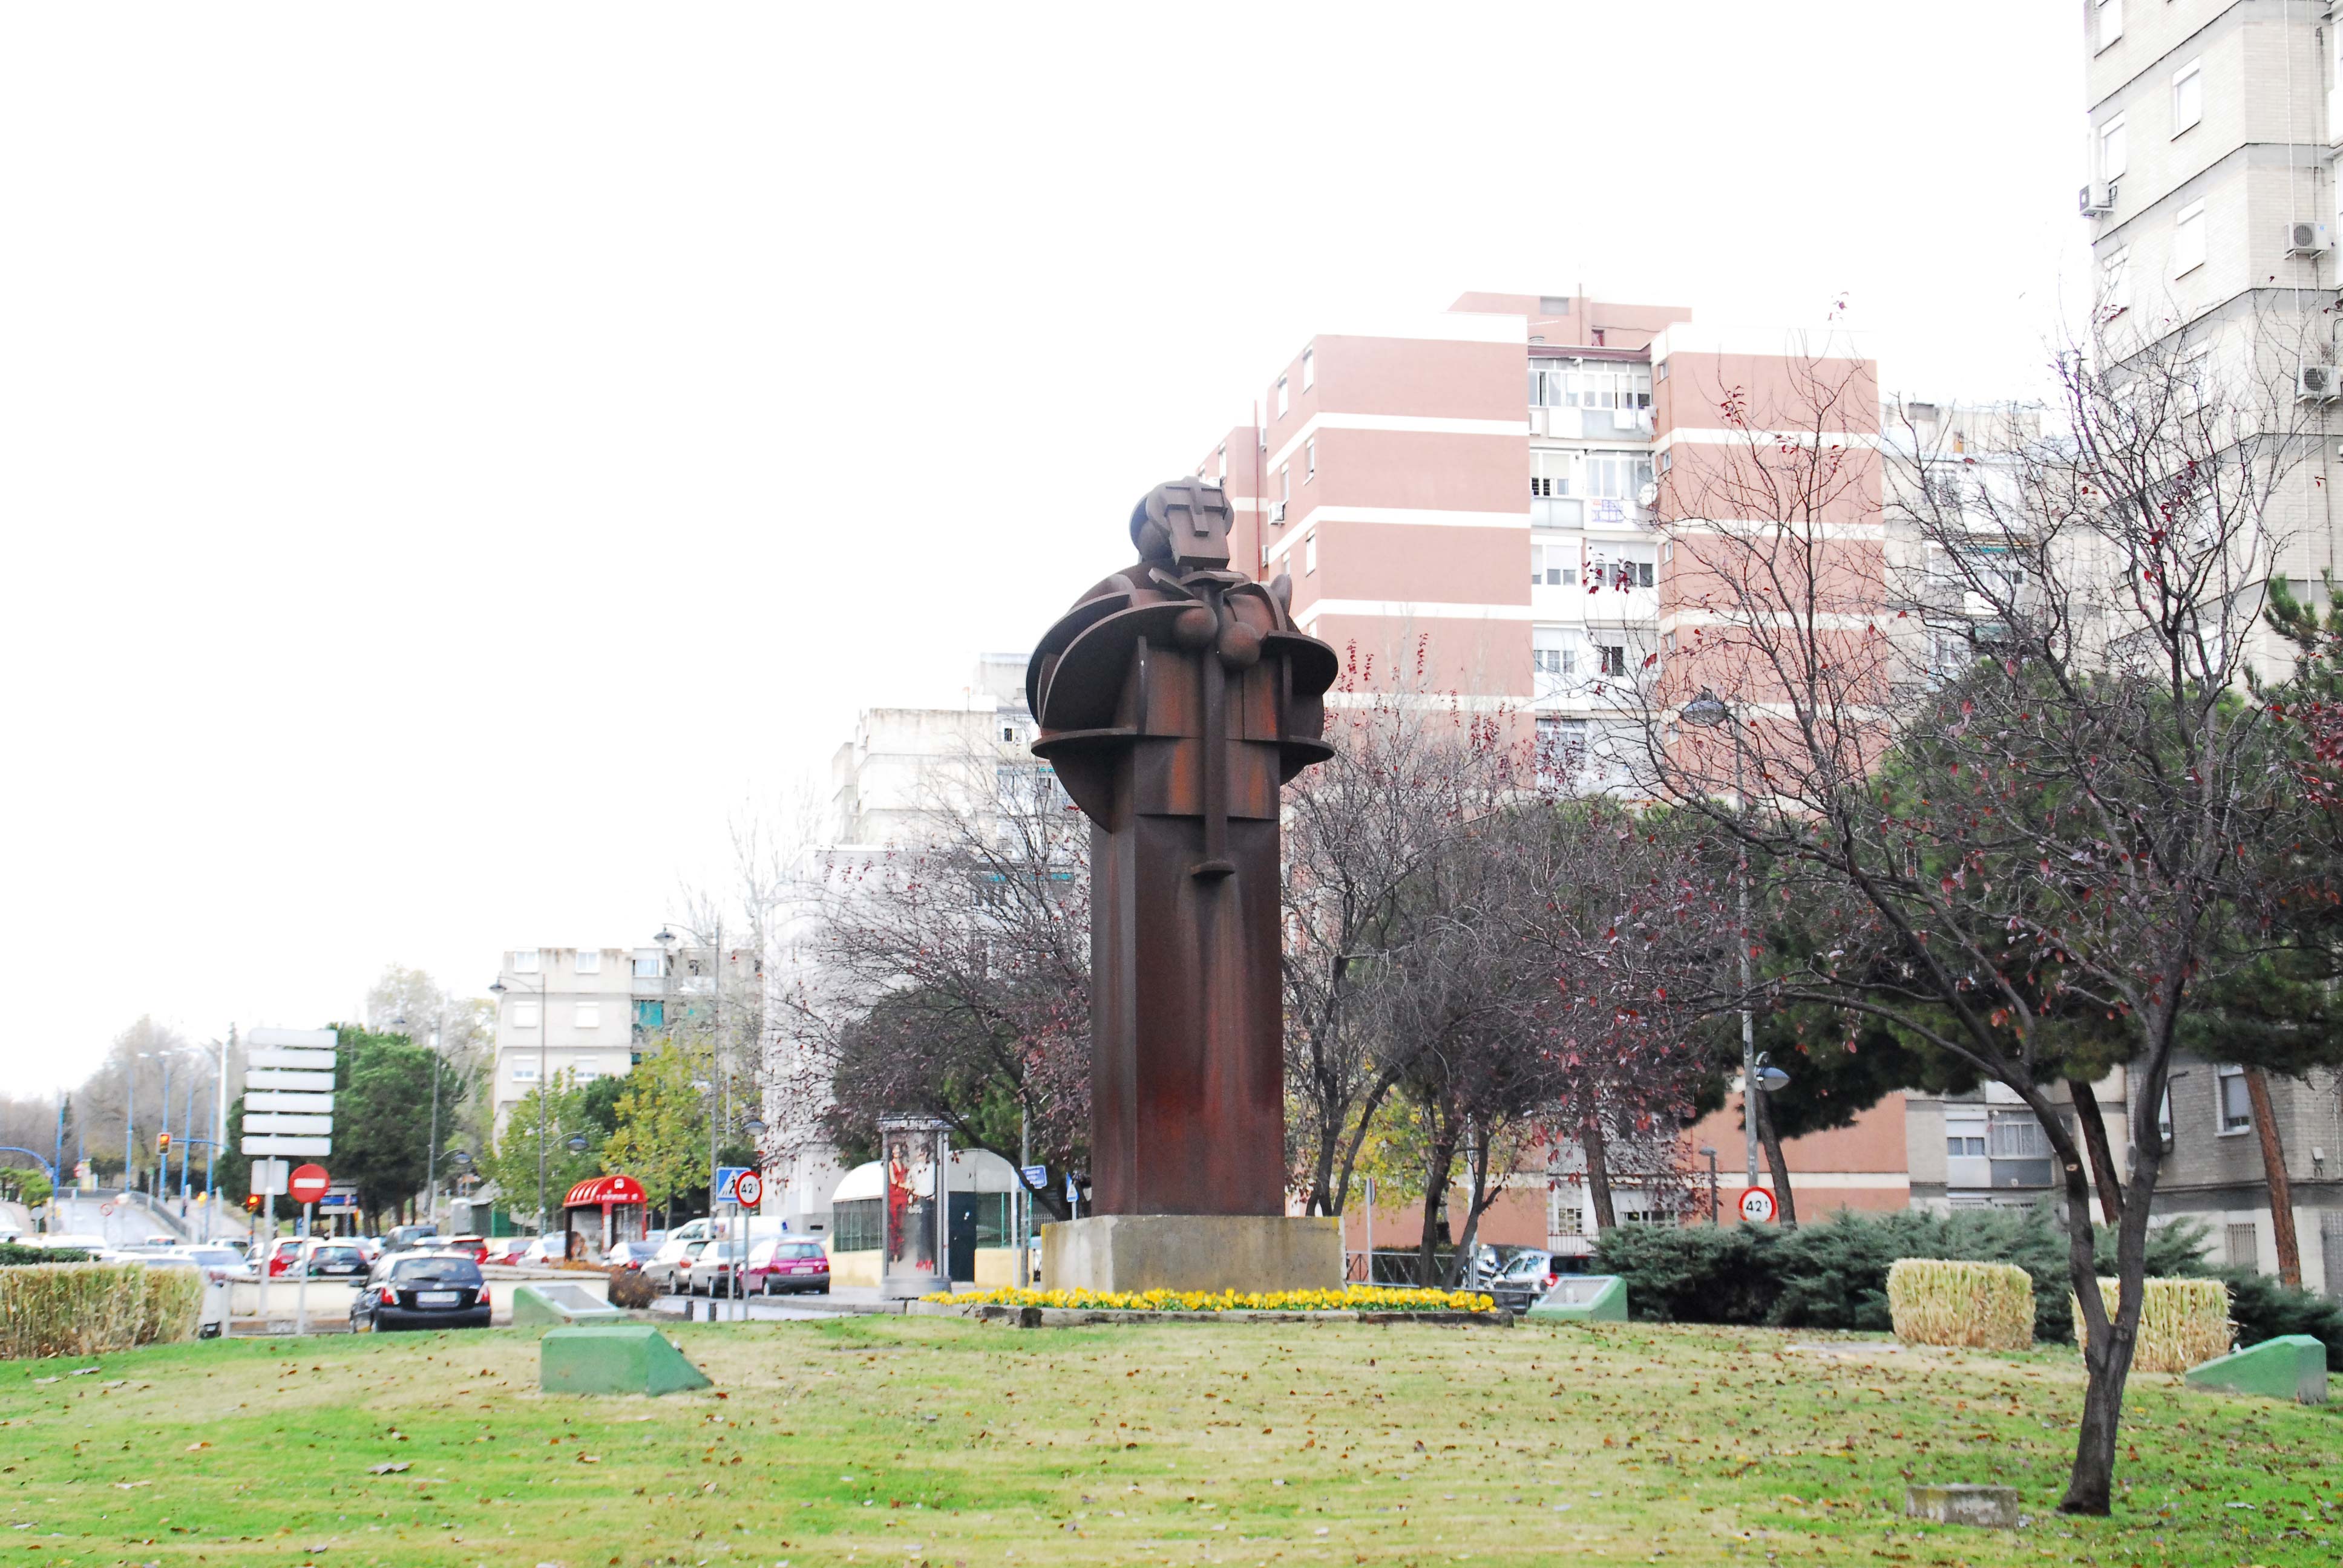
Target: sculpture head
pixel 1183 525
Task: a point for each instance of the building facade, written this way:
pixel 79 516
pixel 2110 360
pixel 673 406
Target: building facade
pixel 904 765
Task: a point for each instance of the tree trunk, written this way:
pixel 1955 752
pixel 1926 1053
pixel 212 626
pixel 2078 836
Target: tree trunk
pixel 1435 1197
pixel 1785 1206
pixel 2095 1139
pixel 2282 1190
pixel 1598 1174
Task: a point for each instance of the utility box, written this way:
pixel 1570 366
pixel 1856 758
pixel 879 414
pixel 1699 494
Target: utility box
pixel 633 1358
pixel 1582 1299
pixel 2291 1366
pixel 561 1303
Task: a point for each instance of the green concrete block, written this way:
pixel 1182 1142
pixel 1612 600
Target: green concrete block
pixel 633 1359
pixel 1582 1299
pixel 561 1303
pixel 2291 1366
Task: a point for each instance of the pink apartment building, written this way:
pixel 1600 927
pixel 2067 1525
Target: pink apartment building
pixel 1465 504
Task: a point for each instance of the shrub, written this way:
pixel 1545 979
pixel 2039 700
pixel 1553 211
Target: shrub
pixel 1694 1273
pixel 2183 1323
pixel 1938 1302
pixel 16 1252
pixel 2264 1310
pixel 629 1287
pixel 81 1309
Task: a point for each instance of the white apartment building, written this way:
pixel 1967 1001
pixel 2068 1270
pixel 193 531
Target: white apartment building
pixel 904 763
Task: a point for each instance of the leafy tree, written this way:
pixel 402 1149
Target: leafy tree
pixel 512 1160
pixel 382 1109
pixel 660 1136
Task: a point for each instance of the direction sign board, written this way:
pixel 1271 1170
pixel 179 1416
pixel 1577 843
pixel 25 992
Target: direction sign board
pixel 281 1122
pixel 281 1078
pixel 1035 1176
pixel 284 1143
pixel 310 1060
pixel 269 1177
pixel 289 1099
pixel 295 1038
pixel 309 1184
pixel 1756 1205
pixel 728 1181
pixel 749 1191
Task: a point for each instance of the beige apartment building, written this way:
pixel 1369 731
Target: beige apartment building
pixel 2214 205
pixel 904 764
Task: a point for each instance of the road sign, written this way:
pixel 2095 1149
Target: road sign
pixel 1756 1205
pixel 728 1179
pixel 301 1060
pixel 297 1039
pixel 308 1184
pixel 277 1078
pixel 276 1121
pixel 308 1103
pixel 269 1176
pixel 749 1191
pixel 1036 1177
pixel 105 1211
pixel 284 1143
pixel 1073 1194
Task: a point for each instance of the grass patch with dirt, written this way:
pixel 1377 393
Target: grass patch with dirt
pixel 938 1441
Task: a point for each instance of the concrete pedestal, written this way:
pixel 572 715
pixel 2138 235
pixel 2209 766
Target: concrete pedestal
pixel 1192 1252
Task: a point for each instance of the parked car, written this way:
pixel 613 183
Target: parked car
pixel 508 1249
pixel 282 1253
pixel 553 1247
pixel 400 1238
pixel 1524 1277
pixel 336 1259
pixel 473 1247
pixel 422 1290
pixel 369 1246
pixel 783 1265
pixel 670 1268
pixel 216 1262
pixel 630 1254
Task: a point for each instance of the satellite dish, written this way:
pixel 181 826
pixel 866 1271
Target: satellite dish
pixel 1649 495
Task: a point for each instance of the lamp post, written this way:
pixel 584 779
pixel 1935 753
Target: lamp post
pixel 543 1028
pixel 1708 710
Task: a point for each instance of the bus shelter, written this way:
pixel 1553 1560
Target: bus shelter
pixel 601 1212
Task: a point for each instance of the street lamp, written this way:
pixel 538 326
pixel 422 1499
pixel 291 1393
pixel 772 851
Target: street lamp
pixel 543 1029
pixel 1708 710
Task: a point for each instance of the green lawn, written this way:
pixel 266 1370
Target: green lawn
pixel 895 1441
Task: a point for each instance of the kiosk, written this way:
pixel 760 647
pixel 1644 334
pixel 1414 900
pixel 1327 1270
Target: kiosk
pixel 603 1211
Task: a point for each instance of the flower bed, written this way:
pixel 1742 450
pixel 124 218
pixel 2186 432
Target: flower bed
pixel 1350 1299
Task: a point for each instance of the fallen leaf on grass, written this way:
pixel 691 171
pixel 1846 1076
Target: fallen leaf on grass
pixel 193 1446
pixel 389 1469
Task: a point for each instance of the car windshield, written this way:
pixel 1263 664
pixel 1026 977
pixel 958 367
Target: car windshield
pixel 1528 1263
pixel 437 1271
pixel 800 1250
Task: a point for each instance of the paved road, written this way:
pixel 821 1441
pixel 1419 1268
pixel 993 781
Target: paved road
pixel 130 1223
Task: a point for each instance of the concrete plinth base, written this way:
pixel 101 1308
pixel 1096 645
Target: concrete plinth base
pixel 1192 1252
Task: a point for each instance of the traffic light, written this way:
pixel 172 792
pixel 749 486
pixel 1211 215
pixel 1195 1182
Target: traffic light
pixel 252 1204
pixel 163 1143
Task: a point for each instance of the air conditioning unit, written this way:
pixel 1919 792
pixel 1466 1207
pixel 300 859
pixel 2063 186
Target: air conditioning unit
pixel 2308 239
pixel 1276 513
pixel 2097 198
pixel 2315 383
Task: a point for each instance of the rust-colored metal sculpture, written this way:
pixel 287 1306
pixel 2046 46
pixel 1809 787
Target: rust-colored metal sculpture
pixel 1175 700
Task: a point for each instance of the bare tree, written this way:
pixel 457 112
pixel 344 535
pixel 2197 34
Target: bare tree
pixel 1412 774
pixel 2017 769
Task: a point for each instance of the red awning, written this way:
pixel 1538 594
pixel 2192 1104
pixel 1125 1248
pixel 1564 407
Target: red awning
pixel 603 1191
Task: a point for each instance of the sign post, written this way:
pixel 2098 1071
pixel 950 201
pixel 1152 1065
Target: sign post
pixel 288 1105
pixel 307 1184
pixel 1756 1205
pixel 748 1191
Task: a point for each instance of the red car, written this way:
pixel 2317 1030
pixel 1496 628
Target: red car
pixel 786 1264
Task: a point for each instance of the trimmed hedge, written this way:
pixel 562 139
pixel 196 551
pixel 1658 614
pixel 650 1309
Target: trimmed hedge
pixel 81 1309
pixel 1834 1275
pixel 2183 1323
pixel 16 1252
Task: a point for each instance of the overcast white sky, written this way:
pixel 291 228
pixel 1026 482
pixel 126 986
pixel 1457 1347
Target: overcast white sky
pixel 453 457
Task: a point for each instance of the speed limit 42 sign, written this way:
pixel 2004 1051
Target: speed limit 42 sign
pixel 1756 1205
pixel 749 1191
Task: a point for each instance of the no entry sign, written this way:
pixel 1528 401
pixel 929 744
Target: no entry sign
pixel 1756 1203
pixel 308 1184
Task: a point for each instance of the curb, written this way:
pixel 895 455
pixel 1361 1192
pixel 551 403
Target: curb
pixel 1077 1317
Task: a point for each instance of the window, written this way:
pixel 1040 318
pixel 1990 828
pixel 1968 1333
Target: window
pixel 589 961
pixel 2110 23
pixel 1285 483
pixel 524 1015
pixel 2164 1120
pixel 2017 1137
pixel 2242 1243
pixel 1309 554
pixel 1667 461
pixel 1604 384
pixel 1310 459
pixel 1611 658
pixel 1553 657
pixel 2237 1106
pixel 649 966
pixel 1283 399
pixel 524 961
pixel 587 1015
pixel 1965 1146
pixel 1659 370
pixel 1309 369
pixel 2115 283
pixel 2188 239
pixel 1224 461
pixel 649 1015
pixel 586 1073
pixel 1553 564
pixel 524 1069
pixel 2115 156
pixel 2187 96
pixel 1561 747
